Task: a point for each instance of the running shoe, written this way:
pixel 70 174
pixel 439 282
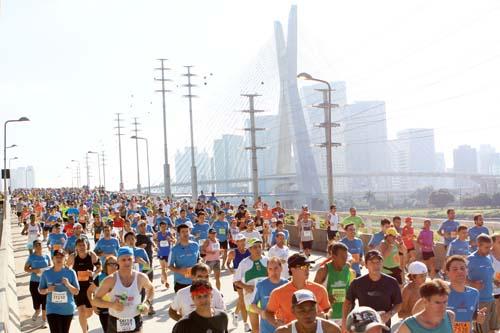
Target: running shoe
pixel 247 328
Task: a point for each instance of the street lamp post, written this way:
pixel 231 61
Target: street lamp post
pixel 5 166
pixel 98 164
pixel 328 134
pixel 77 172
pixel 147 158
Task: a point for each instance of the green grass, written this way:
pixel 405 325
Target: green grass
pixel 461 213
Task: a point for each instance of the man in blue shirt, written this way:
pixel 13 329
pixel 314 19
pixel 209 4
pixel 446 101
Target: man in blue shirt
pixel 163 218
pixel 107 245
pixel 56 238
pixel 460 245
pixel 221 227
pixel 462 300
pixel 280 227
pixel 200 229
pixel 183 256
pixel 182 219
pixel 481 273
pixel 448 229
pixel 73 211
pixel 377 238
pixel 476 230
pixel 69 246
pixel 355 247
pixel 263 291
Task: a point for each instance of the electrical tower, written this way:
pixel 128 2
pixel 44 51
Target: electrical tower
pixel 103 168
pixel 253 148
pixel 136 134
pixel 194 176
pixel 166 166
pixel 119 134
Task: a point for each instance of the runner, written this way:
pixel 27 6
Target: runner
pixel 183 305
pixel 204 318
pixel 448 229
pixel 183 256
pixel 390 249
pixel 97 228
pixel 353 219
pixel 164 241
pixel 306 229
pixel 83 262
pixel 460 245
pixel 408 237
pixel 364 319
pixel 60 285
pixel 70 244
pixel 124 288
pixel 107 245
pixel 435 317
pixel 480 276
pixel 476 230
pixel 495 256
pixel 336 276
pixel 36 264
pixel 376 290
pixel 462 300
pixel 332 223
pixel 417 274
pixel 221 226
pixel 355 247
pixel 426 241
pixel 378 237
pixel 263 290
pixel 251 270
pixel 304 307
pixel 279 311
pixel 34 231
pixel 211 248
pixel 235 256
pixel 280 227
pixel 281 251
pixel 141 258
pixel 110 267
pixel 56 239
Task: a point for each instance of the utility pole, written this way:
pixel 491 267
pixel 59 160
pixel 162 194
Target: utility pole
pixel 328 144
pixel 119 134
pixel 253 148
pixel 194 177
pixel 166 166
pixel 88 170
pixel 136 134
pixel 103 168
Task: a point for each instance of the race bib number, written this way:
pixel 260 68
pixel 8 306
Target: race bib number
pixel 125 325
pixel 307 233
pixel 164 243
pixel 222 231
pixel 339 295
pixel 59 297
pixel 259 228
pixel 215 246
pixel 83 275
pixel 461 327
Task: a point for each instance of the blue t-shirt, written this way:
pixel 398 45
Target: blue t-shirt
pixel 263 291
pixel 481 269
pixel 192 217
pixel 163 251
pixel 449 227
pixel 108 246
pixel 182 256
pixel 57 239
pixel 36 262
pixel 222 229
pixel 165 219
pixel 70 244
pixel 458 247
pixel 376 239
pixel 200 231
pixel 180 221
pixel 476 231
pixel 464 304
pixel 139 252
pixel 355 246
pixel 273 236
pixel 73 211
pixel 61 301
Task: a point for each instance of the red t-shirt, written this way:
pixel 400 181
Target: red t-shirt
pixel 68 229
pixel 408 235
pixel 118 222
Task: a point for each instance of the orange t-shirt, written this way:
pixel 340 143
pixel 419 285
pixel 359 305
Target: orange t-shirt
pixel 267 214
pixel 280 301
pixel 408 234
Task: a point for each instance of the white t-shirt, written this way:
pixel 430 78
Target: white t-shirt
pixel 183 303
pixel 334 222
pixel 281 253
pixel 251 234
pixel 496 267
pixel 249 272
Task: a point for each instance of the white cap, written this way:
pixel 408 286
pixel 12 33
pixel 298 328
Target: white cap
pixel 239 237
pixel 417 268
pixel 189 224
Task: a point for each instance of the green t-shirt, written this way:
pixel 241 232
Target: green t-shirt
pixel 337 284
pixel 356 220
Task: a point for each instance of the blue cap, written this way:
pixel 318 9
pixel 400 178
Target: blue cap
pixel 125 251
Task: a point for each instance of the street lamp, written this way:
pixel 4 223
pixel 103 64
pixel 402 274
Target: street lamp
pixel 12 146
pixel 12 158
pixel 77 172
pixel 5 166
pixel 328 133
pixel 98 164
pixel 147 158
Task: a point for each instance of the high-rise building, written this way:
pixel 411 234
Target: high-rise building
pixel 313 115
pixel 365 133
pixel 415 153
pixel 22 177
pixel 230 162
pixel 464 161
pixel 487 158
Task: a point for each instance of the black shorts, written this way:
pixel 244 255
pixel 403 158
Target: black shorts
pixel 223 245
pixel 427 255
pixel 396 273
pixel 179 286
pixel 47 228
pixel 307 245
pixel 37 298
pixel 82 299
pixel 163 258
pixel 112 325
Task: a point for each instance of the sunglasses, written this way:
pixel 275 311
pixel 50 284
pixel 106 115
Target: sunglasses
pixel 303 267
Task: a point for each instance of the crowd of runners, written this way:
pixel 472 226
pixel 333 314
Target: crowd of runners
pixel 95 253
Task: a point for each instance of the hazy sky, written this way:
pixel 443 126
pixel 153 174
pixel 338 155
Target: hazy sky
pixel 70 65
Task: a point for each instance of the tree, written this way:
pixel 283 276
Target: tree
pixel 370 198
pixel 495 199
pixel 421 195
pixel 441 198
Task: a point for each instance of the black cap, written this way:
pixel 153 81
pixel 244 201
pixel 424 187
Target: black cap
pixel 56 252
pixel 373 254
pixel 298 260
pixel 212 231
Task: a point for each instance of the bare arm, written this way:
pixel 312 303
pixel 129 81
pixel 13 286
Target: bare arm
pixel 321 275
pixel 173 314
pixel 346 308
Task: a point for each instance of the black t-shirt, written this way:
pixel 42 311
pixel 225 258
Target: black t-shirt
pixel 381 295
pixel 144 239
pixel 194 323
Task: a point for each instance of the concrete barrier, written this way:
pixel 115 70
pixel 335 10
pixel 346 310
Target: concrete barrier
pixel 9 309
